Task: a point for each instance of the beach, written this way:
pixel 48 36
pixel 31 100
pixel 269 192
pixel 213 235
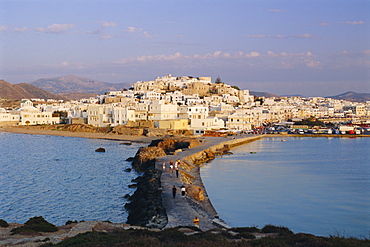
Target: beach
pixel 108 136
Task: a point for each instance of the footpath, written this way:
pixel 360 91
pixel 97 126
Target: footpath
pixel 182 211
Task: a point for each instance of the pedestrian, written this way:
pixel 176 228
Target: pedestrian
pixel 164 166
pixel 174 191
pixel 183 191
pixel 196 222
pixel 177 172
pixel 171 170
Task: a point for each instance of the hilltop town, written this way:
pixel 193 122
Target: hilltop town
pixel 188 103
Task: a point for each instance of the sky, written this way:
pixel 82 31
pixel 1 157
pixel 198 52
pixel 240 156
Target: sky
pixel 285 47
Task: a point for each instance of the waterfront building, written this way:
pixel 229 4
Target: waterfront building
pixel 161 110
pixel 30 115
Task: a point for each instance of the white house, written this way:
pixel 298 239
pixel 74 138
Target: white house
pixel 161 110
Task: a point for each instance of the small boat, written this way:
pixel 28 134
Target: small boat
pixel 101 150
pixel 283 140
pixel 253 152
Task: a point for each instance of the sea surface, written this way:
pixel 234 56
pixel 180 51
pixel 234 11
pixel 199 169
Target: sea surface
pixel 319 186
pixel 63 178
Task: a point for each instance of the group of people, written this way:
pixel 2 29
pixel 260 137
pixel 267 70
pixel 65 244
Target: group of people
pixel 174 190
pixel 183 192
pixel 172 167
pixel 175 167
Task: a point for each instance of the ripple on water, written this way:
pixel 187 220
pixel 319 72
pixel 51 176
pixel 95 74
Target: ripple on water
pixel 63 178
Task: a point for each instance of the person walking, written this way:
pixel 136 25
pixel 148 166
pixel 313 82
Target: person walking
pixel 183 191
pixel 171 170
pixel 196 222
pixel 177 171
pixel 174 191
pixel 164 166
pixel 177 168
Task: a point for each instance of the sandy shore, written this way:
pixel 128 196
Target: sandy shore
pixel 33 131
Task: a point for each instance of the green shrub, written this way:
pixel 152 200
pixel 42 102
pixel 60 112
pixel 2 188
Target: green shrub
pixel 276 229
pixel 35 224
pixel 3 223
pixel 245 229
pixel 247 235
pixel 71 222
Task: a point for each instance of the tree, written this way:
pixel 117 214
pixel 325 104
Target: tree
pixel 218 80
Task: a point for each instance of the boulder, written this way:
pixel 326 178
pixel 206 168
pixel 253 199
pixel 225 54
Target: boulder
pixel 171 144
pixel 101 150
pixel 145 157
pixel 195 191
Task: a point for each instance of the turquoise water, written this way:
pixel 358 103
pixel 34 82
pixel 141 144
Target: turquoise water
pixel 312 185
pixel 63 178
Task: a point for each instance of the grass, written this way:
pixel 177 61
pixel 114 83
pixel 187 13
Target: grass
pixel 173 237
pixel 33 225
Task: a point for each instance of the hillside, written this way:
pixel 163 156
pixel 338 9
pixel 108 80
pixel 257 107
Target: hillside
pixel 74 84
pixel 263 94
pixel 352 96
pixel 24 91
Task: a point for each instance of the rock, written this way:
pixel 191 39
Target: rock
pixel 128 169
pixel 171 144
pixel 123 130
pixel 145 157
pixel 102 150
pixel 126 143
pixel 130 159
pixel 195 191
pixel 132 186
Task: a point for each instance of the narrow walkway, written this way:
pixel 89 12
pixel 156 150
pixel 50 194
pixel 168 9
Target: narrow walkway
pixel 181 211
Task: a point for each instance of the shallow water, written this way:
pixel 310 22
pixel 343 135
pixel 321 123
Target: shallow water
pixel 63 178
pixel 313 185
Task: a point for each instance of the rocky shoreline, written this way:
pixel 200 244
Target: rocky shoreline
pixel 153 205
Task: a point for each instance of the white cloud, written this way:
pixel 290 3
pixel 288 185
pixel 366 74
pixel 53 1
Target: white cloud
pixel 277 36
pixel 106 36
pixel 3 28
pixel 139 32
pixel 275 10
pixel 283 60
pixel 55 28
pixel 305 36
pixel 134 29
pixel 353 22
pixel 108 24
pixel 21 30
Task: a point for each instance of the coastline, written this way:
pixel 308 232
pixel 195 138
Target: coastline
pixel 180 211
pixel 117 137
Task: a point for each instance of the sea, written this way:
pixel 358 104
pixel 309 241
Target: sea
pixel 63 178
pixel 318 185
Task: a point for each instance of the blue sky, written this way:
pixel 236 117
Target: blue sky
pixel 311 48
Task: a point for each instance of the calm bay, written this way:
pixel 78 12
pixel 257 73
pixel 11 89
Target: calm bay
pixel 312 185
pixel 63 178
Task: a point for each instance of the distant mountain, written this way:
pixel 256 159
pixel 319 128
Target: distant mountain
pixel 77 96
pixel 24 91
pixel 352 96
pixel 263 94
pixel 74 84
